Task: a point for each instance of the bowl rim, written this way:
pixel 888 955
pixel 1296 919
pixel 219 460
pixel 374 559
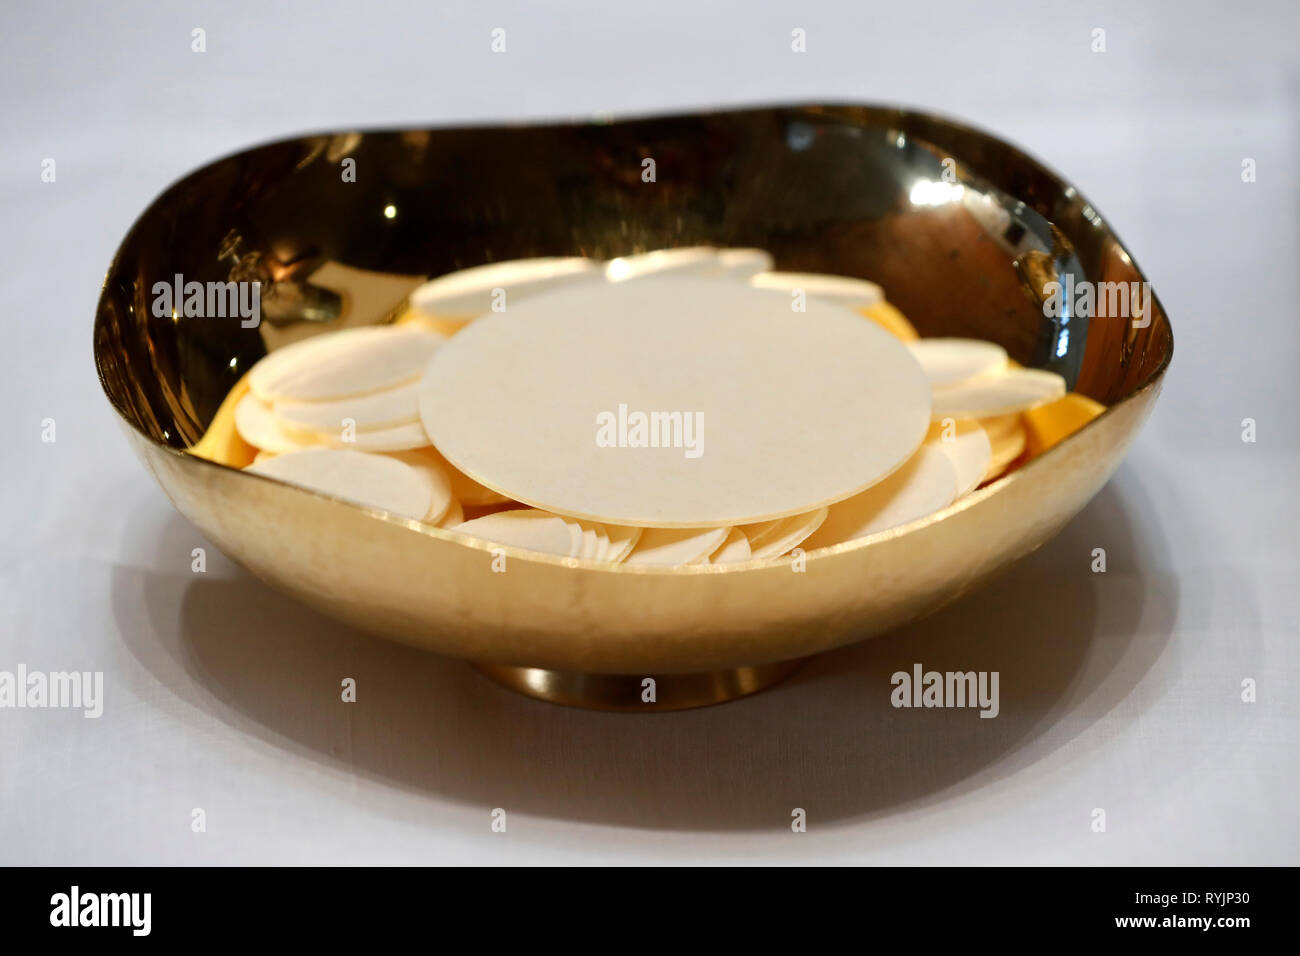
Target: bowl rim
pixel 821 109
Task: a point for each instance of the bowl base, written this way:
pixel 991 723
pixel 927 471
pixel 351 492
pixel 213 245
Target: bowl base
pixel 635 693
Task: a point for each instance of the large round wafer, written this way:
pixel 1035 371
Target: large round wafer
pixel 539 403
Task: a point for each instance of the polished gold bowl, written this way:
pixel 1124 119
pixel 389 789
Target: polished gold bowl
pixel 962 230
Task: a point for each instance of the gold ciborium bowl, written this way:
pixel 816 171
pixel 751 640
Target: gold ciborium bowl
pixel 965 233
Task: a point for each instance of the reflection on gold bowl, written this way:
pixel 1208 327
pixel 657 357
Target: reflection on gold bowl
pixel 962 230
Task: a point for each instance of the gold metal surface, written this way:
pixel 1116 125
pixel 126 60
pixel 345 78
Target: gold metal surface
pixel 826 189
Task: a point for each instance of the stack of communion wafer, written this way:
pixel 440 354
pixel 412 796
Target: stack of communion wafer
pixel 682 407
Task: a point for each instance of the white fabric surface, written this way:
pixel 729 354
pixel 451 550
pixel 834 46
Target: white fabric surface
pixel 1119 691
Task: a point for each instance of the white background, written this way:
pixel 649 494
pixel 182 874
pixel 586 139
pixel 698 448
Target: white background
pixel 1119 691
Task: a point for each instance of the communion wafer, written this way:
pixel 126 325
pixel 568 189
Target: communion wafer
pixel 1006 448
pixel 951 361
pixel 743 263
pixel 453 516
pixel 924 485
pixel 431 467
pixel 622 540
pixel 561 401
pixel 675 546
pixel 1014 390
pixel 528 528
pixel 396 438
pixel 595 541
pixel 689 260
pixel 789 534
pixel 382 425
pixel 854 293
pixel 466 490
pixel 590 550
pixel 371 480
pixel 967 447
pixel 270 370
pixel 256 424
pixel 384 409
pixel 734 549
pixel 603 545
pixel 760 531
pixel 468 293
pixel 347 363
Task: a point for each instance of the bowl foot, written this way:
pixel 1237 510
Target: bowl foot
pixel 633 693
